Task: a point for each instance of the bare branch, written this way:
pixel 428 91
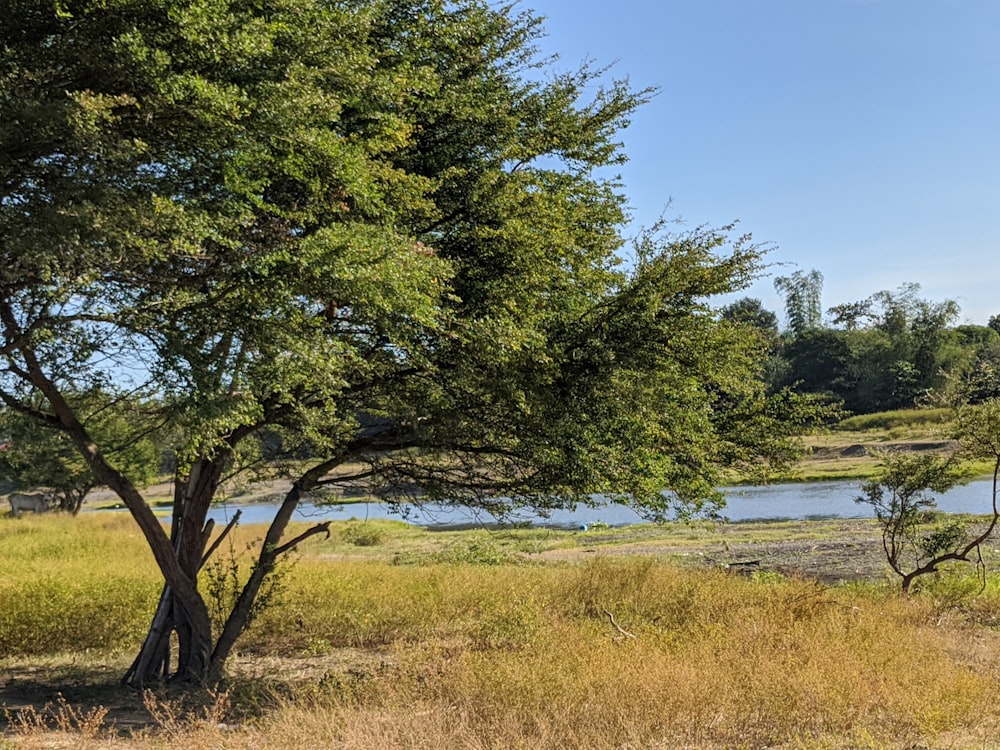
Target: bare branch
pixel 225 532
pixel 322 528
pixel 624 633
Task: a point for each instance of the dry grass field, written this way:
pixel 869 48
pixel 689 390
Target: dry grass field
pixel 388 636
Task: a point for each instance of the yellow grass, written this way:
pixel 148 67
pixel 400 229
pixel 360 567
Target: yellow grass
pixel 606 653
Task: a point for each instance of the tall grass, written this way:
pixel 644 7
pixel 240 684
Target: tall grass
pixel 73 584
pixel 626 652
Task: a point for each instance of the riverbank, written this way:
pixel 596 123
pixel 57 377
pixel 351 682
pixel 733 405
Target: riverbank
pixel 827 458
pixel 846 455
pixel 846 451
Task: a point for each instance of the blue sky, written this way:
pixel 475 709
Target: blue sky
pixel 859 137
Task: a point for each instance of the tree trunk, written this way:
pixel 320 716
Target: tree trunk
pixel 182 610
pixel 187 607
pixel 152 664
pixel 188 622
pixel 199 659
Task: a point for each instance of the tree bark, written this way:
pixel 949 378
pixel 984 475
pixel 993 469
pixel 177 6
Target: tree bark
pixel 189 536
pixel 152 663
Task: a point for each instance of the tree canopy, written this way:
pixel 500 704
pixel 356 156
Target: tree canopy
pixel 803 300
pixel 385 232
pixel 891 350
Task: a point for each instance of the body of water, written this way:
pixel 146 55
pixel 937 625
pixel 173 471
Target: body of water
pixel 776 501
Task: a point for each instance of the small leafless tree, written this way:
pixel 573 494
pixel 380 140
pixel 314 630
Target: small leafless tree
pixel 902 500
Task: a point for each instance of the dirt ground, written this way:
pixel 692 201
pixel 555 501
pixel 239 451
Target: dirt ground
pixel 828 552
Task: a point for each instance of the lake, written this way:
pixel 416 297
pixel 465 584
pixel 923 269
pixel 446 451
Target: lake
pixel 775 501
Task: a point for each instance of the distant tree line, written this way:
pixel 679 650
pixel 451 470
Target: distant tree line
pixel 891 350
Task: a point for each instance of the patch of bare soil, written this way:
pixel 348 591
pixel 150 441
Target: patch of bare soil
pixel 849 550
pixel 822 561
pixel 856 450
pixel 34 692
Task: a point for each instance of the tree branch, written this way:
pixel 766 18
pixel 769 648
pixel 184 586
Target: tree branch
pixel 322 528
pixel 225 532
pixel 156 537
pixel 624 633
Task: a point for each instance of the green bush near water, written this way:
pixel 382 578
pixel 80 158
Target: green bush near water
pixel 363 534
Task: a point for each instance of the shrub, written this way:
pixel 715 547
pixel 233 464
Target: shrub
pixel 363 535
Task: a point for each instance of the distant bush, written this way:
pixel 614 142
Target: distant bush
pixel 473 552
pixel 363 535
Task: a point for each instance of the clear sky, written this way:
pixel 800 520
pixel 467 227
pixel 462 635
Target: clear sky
pixel 859 137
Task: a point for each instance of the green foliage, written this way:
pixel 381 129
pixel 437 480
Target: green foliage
pixel 751 312
pixel 979 381
pixel 994 323
pixel 368 218
pixel 900 498
pixel 892 350
pixel 978 428
pixel 944 538
pixel 803 300
pixel 817 362
pixel 901 488
pixel 387 233
pixel 471 552
pixel 224 578
pixel 951 587
pixel 888 420
pixel 222 587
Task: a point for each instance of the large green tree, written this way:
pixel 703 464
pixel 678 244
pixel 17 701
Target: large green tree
pixel 382 230
pixel 905 351
pixel 891 350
